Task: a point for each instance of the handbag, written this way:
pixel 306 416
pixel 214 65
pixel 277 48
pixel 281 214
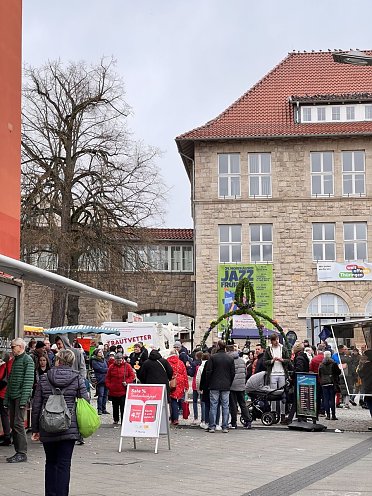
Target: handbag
pixel 185 410
pixel 173 383
pixel 87 417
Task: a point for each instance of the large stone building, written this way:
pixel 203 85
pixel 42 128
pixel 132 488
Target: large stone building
pixel 283 177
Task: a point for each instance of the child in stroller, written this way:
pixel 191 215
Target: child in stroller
pixel 261 397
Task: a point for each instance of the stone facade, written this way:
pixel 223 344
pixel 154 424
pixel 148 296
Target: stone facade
pixel 153 291
pixel 291 210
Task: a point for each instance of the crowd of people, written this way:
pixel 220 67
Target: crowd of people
pixel 217 376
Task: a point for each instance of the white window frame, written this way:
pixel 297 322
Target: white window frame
pixel 350 113
pixel 353 173
pixel 336 110
pixel 355 242
pixel 368 110
pixel 229 243
pixel 259 175
pixel 261 243
pixel 335 303
pixel 323 242
pixel 307 114
pixel 229 176
pixel 321 110
pixel 323 174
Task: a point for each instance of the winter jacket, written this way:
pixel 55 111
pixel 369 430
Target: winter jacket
pixel 301 362
pixel 238 383
pixel 152 372
pixel 199 374
pixel 5 369
pixel 315 362
pixel 63 377
pixel 137 359
pixel 179 371
pixel 258 364
pixel 21 380
pixel 268 356
pixel 346 367
pixel 100 368
pixel 191 370
pixel 79 362
pixel 329 373
pixel 365 373
pixel 220 371
pixel 116 375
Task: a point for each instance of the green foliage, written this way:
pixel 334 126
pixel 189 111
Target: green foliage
pixel 245 300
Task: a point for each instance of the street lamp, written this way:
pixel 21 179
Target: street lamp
pixel 354 57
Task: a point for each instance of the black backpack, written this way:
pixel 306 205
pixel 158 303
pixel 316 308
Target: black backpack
pixel 55 416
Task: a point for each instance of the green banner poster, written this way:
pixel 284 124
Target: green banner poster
pixel 260 275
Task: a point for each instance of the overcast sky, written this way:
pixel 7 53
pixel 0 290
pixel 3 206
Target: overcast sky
pixel 185 61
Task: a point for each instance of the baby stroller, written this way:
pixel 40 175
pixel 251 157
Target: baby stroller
pixel 261 396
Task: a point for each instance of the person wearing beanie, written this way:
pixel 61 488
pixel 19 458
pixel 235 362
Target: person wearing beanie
pixel 329 373
pixel 365 373
pixel 183 353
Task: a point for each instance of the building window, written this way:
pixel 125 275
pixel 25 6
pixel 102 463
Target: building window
pixel 93 260
pixel 259 168
pixel 368 112
pixel 229 175
pixel 324 243
pixel 230 243
pixel 321 113
pixel 355 241
pixel 368 312
pixel 353 173
pixel 187 259
pixel 327 303
pixel 336 113
pixel 321 173
pixel 306 114
pixel 350 113
pixel 41 257
pixel 161 258
pixel 261 242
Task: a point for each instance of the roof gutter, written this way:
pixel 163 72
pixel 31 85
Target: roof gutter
pixel 22 270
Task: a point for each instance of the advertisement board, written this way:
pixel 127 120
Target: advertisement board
pixel 145 413
pixel 306 395
pixel 349 271
pixel 129 334
pixel 261 276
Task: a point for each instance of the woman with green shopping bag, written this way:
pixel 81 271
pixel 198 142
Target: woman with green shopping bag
pixel 58 446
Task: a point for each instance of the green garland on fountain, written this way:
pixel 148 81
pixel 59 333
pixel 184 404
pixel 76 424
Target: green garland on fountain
pixel 245 300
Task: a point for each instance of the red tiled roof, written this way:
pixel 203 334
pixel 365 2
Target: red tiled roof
pixel 266 110
pixel 176 234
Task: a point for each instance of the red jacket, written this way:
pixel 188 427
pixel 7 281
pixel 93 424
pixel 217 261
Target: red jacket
pixel 179 371
pixel 315 363
pixel 8 366
pixel 115 378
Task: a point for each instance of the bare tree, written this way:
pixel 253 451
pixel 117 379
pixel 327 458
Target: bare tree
pixel 83 175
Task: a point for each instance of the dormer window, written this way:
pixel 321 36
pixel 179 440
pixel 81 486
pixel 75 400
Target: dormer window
pixel 306 114
pixel 336 114
pixel 333 112
pixel 350 113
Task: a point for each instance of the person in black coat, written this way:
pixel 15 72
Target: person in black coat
pixel 156 370
pixel 220 374
pixel 59 446
pixel 300 364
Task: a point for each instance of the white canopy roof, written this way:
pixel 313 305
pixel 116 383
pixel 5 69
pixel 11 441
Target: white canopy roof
pixel 21 270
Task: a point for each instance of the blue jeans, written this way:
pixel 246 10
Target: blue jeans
pixel 176 406
pixel 102 397
pixel 195 396
pixel 58 456
pixel 216 396
pixel 329 400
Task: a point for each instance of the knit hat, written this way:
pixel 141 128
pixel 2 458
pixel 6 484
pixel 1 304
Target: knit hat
pixel 54 347
pixel 297 347
pixel 118 356
pixel 39 344
pixel 177 344
pixel 112 353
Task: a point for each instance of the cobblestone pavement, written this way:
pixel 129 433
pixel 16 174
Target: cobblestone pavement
pixel 258 462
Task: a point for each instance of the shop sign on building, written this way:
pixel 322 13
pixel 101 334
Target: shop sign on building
pixel 348 271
